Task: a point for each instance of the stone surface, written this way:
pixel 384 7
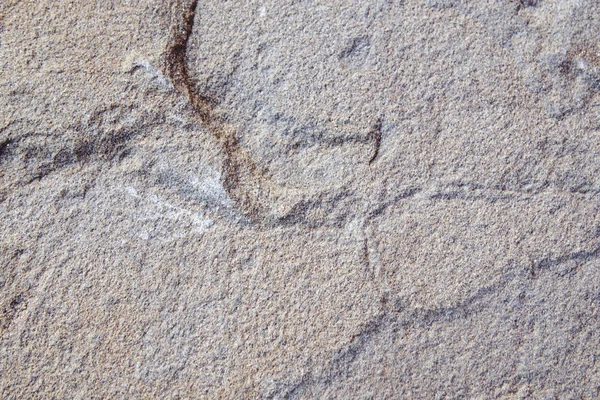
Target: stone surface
pixel 300 199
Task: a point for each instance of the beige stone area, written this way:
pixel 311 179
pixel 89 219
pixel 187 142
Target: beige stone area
pixel 300 199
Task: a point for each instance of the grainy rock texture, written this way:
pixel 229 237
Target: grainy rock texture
pixel 300 199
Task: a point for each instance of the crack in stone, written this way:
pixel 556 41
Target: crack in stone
pixel 250 186
pixel 342 362
pixel 394 315
pixel 397 316
pixel 582 257
pixel 243 180
pixel 246 183
pixel 376 138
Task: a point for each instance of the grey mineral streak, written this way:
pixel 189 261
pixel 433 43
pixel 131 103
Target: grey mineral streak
pixel 387 199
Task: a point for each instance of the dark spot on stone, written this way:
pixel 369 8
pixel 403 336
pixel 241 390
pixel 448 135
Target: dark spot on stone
pixel 10 311
pixel 40 171
pixel 16 301
pixel 384 299
pixel 4 147
pixel 356 47
pixel 84 150
pixel 529 3
pixel 565 67
pixel 124 154
pixel 63 158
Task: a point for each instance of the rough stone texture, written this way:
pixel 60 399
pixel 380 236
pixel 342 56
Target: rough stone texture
pixel 300 199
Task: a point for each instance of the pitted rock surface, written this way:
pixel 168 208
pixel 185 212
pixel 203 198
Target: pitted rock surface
pixel 300 199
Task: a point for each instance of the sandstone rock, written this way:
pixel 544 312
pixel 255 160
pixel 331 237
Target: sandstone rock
pixel 300 199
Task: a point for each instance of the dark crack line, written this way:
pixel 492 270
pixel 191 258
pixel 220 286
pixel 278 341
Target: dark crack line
pixel 397 316
pixel 243 180
pixel 342 362
pixel 467 191
pixel 547 263
pixel 250 187
pixel 376 138
pixel 407 193
pixel 473 304
pixel 176 58
pixel 246 184
pixel 365 253
pixel 358 342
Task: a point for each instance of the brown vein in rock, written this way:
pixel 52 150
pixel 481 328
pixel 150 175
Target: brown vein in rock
pixel 243 180
pixel 246 183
